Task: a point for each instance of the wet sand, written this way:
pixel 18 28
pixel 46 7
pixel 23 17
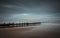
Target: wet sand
pixel 45 30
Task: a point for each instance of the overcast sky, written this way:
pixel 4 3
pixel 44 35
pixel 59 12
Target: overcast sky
pixel 29 10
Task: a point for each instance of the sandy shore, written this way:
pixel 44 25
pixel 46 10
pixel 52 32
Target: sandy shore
pixel 45 30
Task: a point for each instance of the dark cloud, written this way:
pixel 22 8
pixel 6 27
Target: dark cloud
pixel 38 7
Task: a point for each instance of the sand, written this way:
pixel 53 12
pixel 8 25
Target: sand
pixel 45 30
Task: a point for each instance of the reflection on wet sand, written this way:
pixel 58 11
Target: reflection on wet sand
pixel 45 30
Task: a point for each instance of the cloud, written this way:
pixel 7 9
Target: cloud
pixel 46 8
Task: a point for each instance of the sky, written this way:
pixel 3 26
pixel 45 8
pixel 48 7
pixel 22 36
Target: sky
pixel 29 11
